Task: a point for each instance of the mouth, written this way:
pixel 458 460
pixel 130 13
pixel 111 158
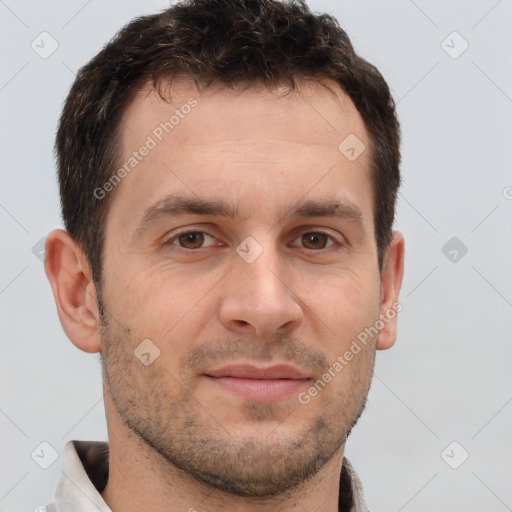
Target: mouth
pixel 260 384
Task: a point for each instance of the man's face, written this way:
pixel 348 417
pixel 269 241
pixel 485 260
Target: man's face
pixel 248 307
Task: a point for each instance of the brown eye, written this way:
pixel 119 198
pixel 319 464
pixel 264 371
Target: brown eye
pixel 191 240
pixel 315 240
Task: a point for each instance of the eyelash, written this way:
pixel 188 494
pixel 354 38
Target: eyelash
pixel 335 241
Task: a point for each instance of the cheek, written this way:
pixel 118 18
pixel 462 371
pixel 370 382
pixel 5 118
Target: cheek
pixel 162 305
pixel 352 350
pixel 346 302
pixel 146 294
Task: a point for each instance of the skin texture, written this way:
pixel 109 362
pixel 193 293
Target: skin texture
pixel 178 440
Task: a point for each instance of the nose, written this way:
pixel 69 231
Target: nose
pixel 258 297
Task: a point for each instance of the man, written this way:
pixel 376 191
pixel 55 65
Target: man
pixel 228 173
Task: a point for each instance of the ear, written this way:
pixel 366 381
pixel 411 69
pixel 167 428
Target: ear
pixel 70 277
pixel 390 283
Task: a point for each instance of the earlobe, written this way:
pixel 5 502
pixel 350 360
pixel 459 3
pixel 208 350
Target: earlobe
pixel 391 281
pixel 73 289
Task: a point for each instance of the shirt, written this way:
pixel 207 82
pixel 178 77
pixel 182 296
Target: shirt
pixel 85 475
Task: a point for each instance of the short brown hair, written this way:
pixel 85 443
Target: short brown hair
pixel 225 41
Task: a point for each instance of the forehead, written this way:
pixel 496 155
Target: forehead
pixel 249 143
pixel 320 114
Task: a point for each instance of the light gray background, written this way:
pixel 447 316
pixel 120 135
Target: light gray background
pixel 448 377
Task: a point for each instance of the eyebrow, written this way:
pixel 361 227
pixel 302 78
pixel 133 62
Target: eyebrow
pixel 177 204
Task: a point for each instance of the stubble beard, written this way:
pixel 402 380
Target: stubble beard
pixel 188 437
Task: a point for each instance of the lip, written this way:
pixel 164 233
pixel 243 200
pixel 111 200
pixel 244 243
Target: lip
pixel 260 384
pixel 247 371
